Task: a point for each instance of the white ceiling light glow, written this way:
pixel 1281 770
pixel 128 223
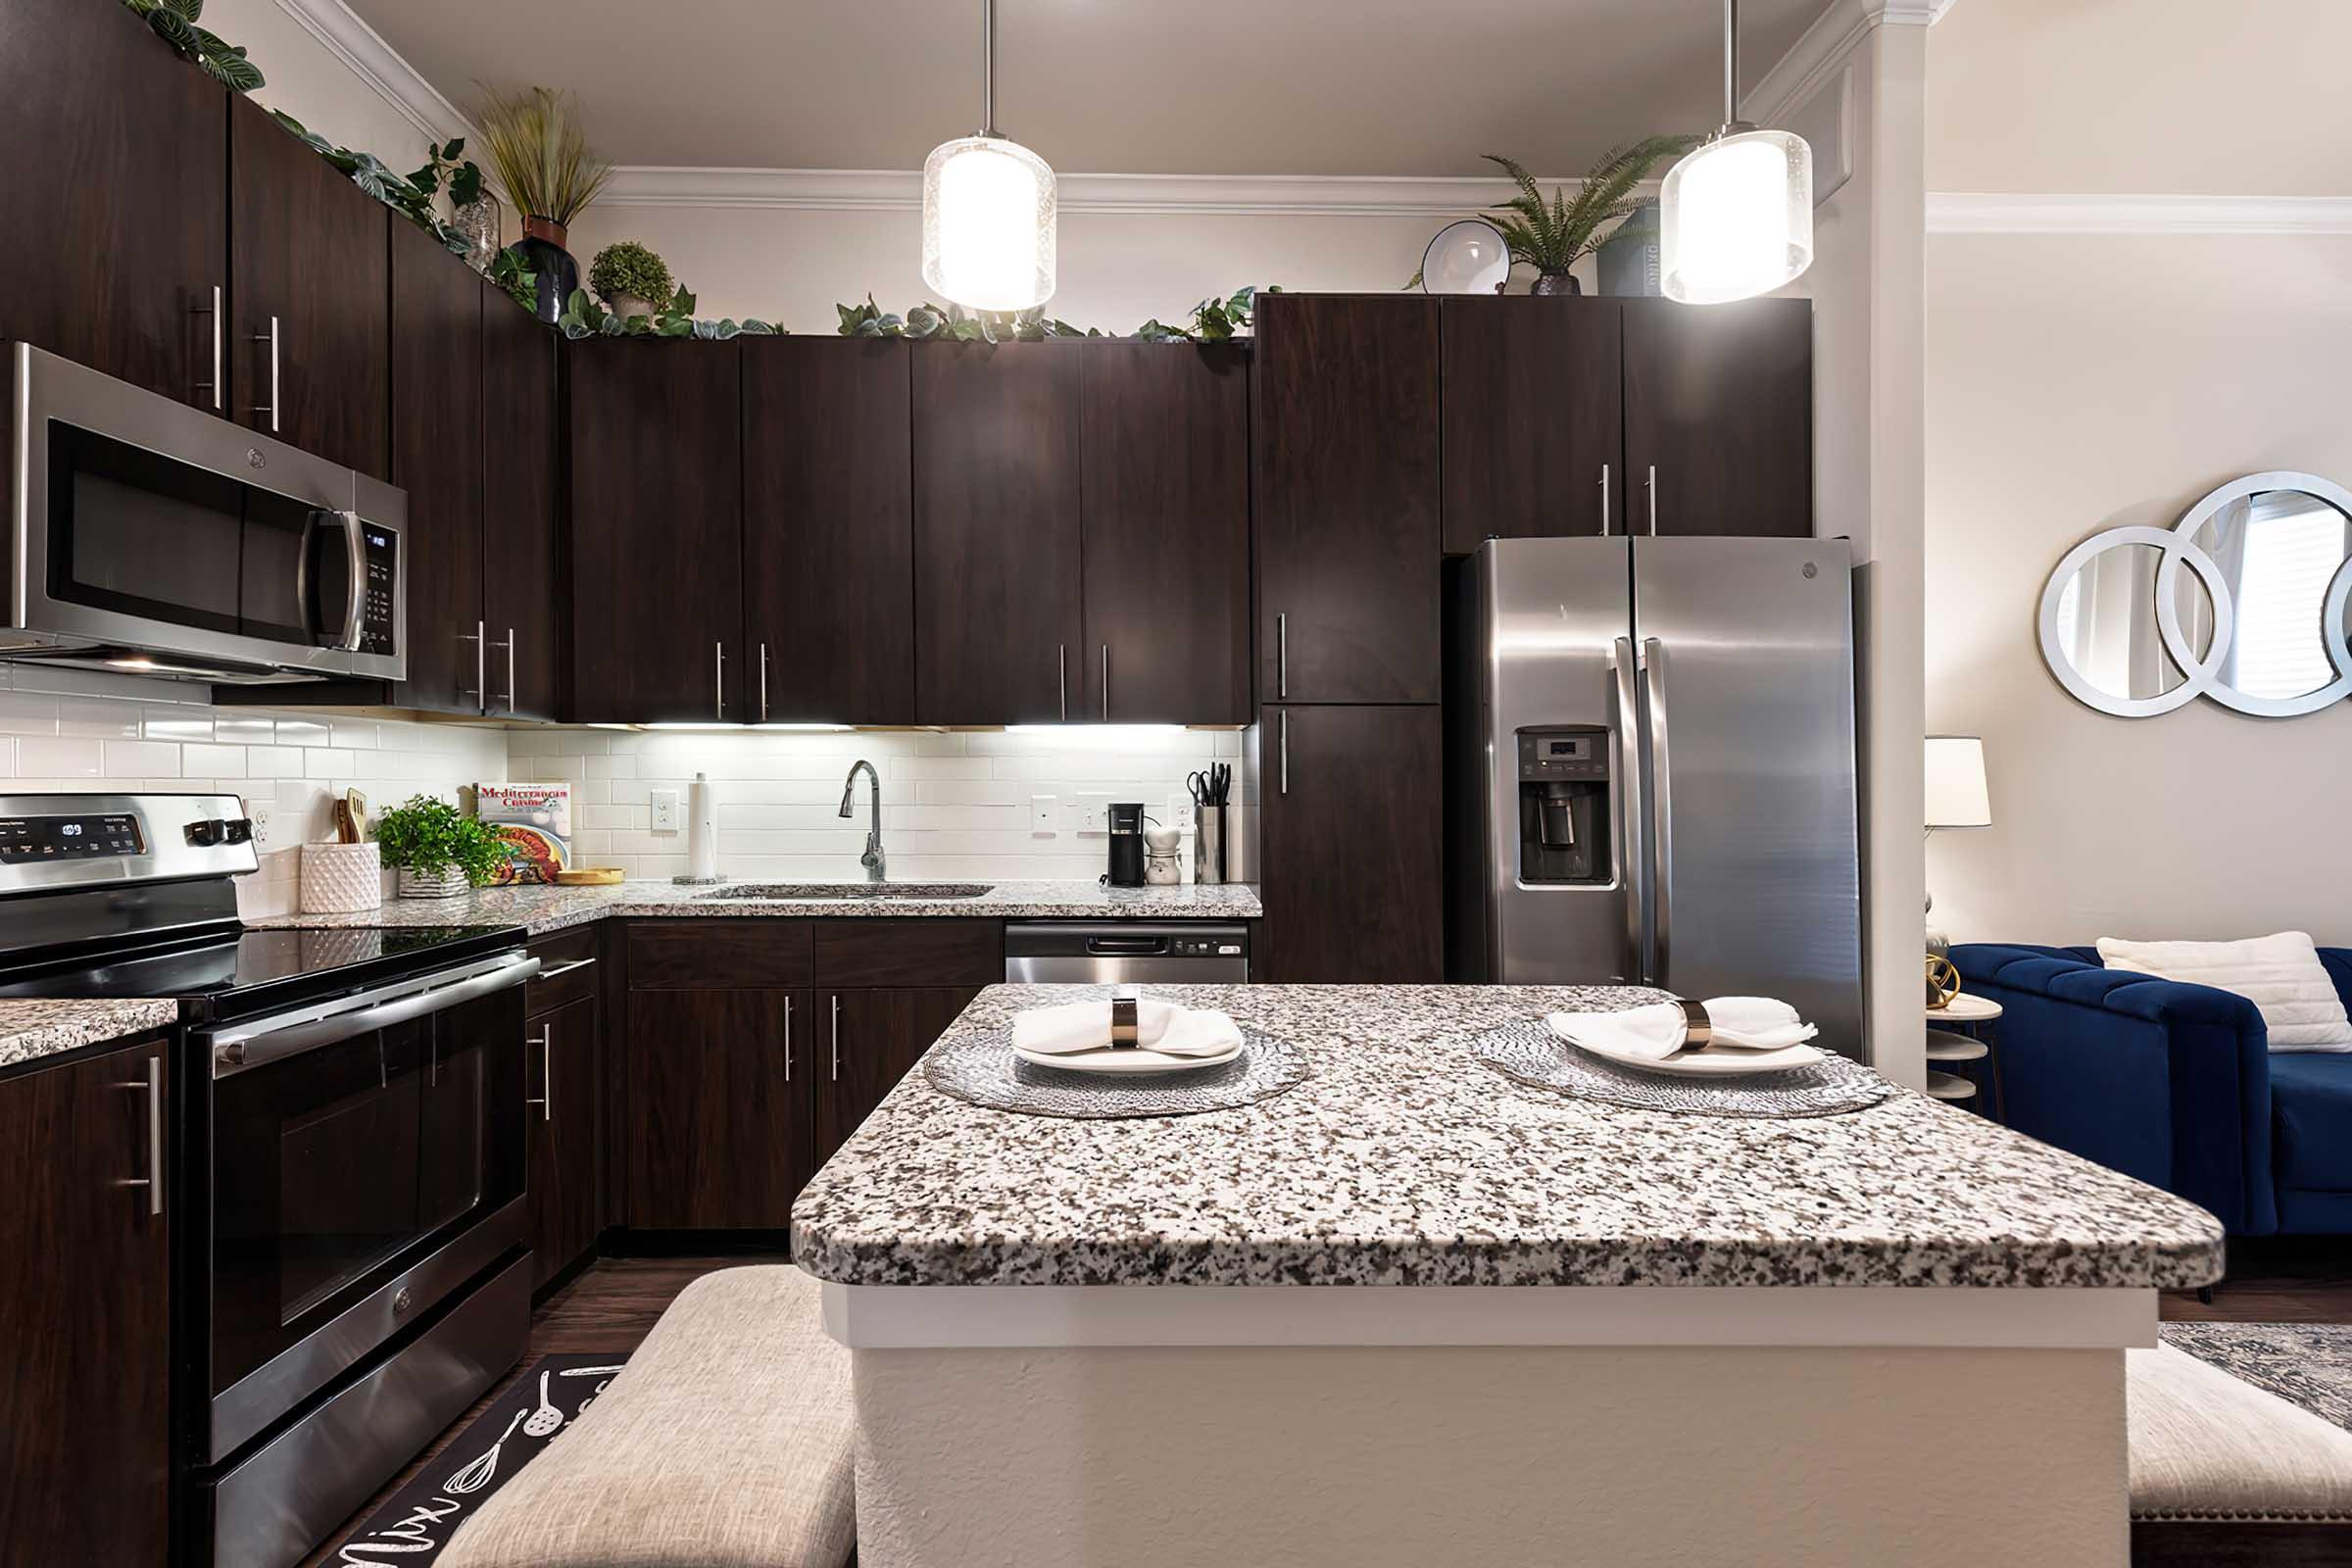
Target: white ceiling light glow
pixel 1736 215
pixel 989 210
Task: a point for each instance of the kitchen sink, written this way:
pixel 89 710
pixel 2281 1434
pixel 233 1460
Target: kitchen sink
pixel 845 892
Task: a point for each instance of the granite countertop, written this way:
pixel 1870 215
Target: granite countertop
pixel 1405 1161
pixel 541 910
pixel 30 1029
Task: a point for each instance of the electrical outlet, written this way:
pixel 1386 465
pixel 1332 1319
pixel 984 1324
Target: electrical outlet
pixel 1041 815
pixel 1178 813
pixel 1094 811
pixel 259 816
pixel 665 810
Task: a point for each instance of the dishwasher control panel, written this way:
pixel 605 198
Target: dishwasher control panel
pixel 1122 951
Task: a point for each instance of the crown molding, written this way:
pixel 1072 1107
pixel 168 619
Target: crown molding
pixel 364 54
pixel 1814 58
pixel 1244 195
pixel 1973 213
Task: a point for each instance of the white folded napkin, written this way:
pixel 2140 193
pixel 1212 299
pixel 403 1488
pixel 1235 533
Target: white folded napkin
pixel 1161 1026
pixel 1656 1031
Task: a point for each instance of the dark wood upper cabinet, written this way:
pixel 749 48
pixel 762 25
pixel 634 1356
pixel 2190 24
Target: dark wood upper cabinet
pixel 1532 428
pixel 1165 433
pixel 1344 419
pixel 996 574
pixel 116 247
pixel 437 459
pixel 717 1129
pixel 1352 852
pixel 828 530
pixel 87 1299
pixel 519 445
pixel 656 532
pixel 309 341
pixel 1719 406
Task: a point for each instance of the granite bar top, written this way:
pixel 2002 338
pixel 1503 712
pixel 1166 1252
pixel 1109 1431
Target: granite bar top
pixel 1405 1161
pixel 541 910
pixel 31 1029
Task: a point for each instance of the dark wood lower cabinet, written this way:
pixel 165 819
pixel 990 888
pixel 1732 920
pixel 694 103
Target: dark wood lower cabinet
pixel 873 1039
pixel 561 1136
pixel 716 1127
pixel 86 1304
pixel 1352 858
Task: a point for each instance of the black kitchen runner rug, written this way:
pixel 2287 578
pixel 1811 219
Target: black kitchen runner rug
pixel 417 1522
pixel 2309 1364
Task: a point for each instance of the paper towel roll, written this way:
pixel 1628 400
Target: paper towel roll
pixel 702 830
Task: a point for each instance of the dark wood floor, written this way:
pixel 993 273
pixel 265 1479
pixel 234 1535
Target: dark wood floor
pixel 612 1305
pixel 610 1308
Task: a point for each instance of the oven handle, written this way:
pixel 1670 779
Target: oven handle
pixel 270 1040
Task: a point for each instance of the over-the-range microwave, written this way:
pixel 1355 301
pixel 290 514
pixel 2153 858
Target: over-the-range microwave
pixel 155 538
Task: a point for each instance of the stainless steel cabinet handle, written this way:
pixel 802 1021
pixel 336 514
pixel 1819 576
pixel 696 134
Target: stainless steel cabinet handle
pixel 763 683
pixel 1653 500
pixel 566 968
pixel 214 385
pixel 153 1180
pixel 1604 501
pixel 1629 809
pixel 1661 808
pixel 1106 683
pixel 1066 682
pixel 508 698
pixel 718 675
pixel 837 1039
pixel 1282 653
pixel 546 1102
pixel 1286 751
pixel 788 1040
pixel 271 407
pixel 481 654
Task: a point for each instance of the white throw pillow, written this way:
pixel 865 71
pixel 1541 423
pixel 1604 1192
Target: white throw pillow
pixel 2280 975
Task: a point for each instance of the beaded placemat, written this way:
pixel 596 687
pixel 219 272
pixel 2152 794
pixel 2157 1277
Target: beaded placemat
pixel 982 1069
pixel 1527 1051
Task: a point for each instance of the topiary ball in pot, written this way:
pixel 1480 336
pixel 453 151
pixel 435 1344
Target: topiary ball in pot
pixel 629 278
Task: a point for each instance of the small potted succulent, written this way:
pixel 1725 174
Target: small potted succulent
pixel 630 279
pixel 440 852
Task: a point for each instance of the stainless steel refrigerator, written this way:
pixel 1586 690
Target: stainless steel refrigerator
pixel 1650 769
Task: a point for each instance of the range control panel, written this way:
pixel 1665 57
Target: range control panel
pixel 69 838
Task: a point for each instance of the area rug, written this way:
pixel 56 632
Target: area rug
pixel 417 1522
pixel 2309 1364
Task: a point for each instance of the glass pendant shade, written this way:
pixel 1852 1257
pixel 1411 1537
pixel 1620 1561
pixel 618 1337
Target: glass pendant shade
pixel 988 225
pixel 1736 217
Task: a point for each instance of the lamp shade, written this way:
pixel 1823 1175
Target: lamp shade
pixel 1956 793
pixel 1736 217
pixel 989 225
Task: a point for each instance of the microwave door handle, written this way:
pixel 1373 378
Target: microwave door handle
pixel 354 614
pixel 261 1044
pixel 304 585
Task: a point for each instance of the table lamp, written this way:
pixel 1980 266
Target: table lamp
pixel 1956 798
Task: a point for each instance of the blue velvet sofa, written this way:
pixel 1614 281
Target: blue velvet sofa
pixel 2174 1084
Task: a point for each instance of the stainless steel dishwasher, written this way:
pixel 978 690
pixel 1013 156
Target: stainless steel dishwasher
pixel 1117 951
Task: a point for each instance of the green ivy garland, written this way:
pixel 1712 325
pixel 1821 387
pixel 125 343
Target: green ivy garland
pixel 1214 321
pixel 174 22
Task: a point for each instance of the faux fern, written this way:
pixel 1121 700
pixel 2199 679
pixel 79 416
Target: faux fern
pixel 1552 236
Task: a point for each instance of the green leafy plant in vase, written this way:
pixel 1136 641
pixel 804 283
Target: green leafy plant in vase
pixel 439 850
pixel 1552 237
pixel 630 279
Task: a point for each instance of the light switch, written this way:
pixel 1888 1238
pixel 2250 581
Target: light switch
pixel 1094 811
pixel 665 810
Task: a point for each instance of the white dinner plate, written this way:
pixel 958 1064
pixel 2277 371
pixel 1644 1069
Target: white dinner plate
pixel 1710 1061
pixel 1138 1061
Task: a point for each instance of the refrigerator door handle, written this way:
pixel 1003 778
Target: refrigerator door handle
pixel 1629 811
pixel 1661 808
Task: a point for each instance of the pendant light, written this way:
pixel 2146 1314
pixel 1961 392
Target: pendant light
pixel 1736 215
pixel 988 209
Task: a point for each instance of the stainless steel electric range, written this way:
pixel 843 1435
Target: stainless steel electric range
pixel 347 1138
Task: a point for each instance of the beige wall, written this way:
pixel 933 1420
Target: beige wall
pixel 2075 383
pixel 310 82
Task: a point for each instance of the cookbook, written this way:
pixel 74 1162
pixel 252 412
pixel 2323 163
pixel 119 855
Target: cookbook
pixel 533 826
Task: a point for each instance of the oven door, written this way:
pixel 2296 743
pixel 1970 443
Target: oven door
pixel 156 537
pixel 365 1163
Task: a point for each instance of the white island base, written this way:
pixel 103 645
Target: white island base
pixel 1136 1427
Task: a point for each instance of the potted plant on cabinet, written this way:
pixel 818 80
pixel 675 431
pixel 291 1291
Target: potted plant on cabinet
pixel 440 852
pixel 541 157
pixel 1553 237
pixel 630 279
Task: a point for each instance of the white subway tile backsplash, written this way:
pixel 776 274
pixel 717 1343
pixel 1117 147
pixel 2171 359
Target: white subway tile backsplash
pixel 40 757
pixel 152 758
pixel 212 761
pixel 97 718
pixel 303 732
pixel 354 734
pixel 326 761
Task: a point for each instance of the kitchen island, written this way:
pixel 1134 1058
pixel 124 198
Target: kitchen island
pixel 1413 1311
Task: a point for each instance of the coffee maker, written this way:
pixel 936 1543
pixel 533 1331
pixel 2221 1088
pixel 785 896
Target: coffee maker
pixel 1126 845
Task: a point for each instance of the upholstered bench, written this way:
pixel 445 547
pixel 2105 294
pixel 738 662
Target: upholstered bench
pixel 2223 1472
pixel 725 1442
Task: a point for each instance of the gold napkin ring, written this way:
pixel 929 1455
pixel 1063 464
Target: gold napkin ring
pixel 1698 1028
pixel 1122 1023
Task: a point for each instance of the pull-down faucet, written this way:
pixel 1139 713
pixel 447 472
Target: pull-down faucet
pixel 874 862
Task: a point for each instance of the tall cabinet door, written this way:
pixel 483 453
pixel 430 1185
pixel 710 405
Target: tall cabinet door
pixel 870 1040
pixel 828 539
pixel 563 1112
pixel 656 532
pixel 1345 421
pixel 717 1124
pixel 1166 440
pixel 1719 417
pixel 116 247
pixel 1533 427
pixel 437 459
pixel 85 1366
pixel 997 584
pixel 520 593
pixel 1350 837
pixel 310 340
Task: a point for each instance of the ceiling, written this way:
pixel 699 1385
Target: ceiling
pixel 1411 87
